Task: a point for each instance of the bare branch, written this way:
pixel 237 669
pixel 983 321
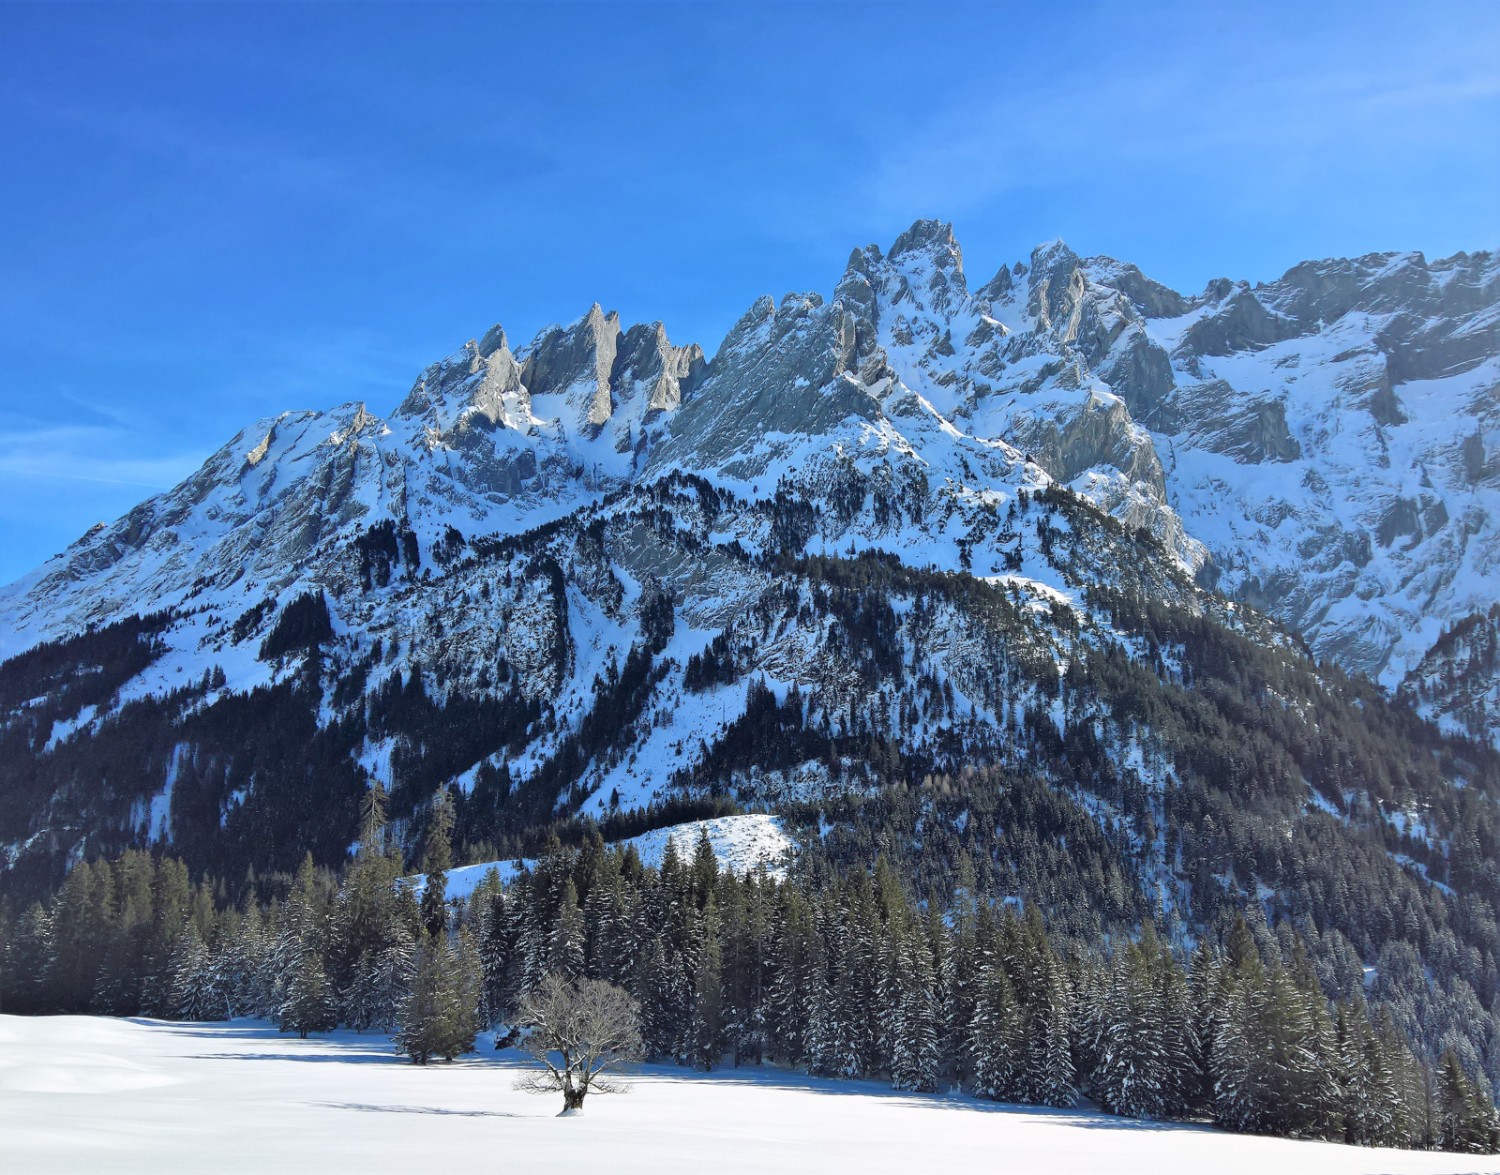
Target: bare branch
pixel 583 1034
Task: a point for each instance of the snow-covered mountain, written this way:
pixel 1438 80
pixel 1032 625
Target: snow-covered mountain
pixel 913 505
pixel 1326 447
pixel 1332 439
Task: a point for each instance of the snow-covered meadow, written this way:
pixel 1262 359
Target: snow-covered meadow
pixel 81 1094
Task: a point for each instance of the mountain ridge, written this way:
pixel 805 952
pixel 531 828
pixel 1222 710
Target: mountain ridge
pixel 1067 374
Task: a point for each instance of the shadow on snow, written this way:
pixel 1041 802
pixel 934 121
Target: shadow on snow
pixel 373 1109
pixel 348 1047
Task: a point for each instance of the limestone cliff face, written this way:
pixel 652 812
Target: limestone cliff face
pixel 1324 445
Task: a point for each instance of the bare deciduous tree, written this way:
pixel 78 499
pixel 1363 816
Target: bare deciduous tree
pixel 581 1034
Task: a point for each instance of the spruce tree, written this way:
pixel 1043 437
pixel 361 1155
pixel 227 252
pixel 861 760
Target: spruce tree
pixel 707 1028
pixel 565 951
pixel 307 1005
pixel 438 1017
pixel 1049 1078
pixel 491 916
pixel 913 1014
pixel 1465 1121
pixel 191 990
pixel 997 1035
pixel 437 859
pixel 1132 1077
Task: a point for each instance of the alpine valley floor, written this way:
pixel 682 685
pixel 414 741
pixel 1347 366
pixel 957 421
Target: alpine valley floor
pixel 81 1094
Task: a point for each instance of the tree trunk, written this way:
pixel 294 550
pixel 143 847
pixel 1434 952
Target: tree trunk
pixel 573 1099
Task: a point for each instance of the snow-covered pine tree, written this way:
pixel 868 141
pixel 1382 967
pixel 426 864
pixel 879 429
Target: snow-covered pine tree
pixel 490 914
pixel 1047 1077
pixel 915 1060
pixel 660 1013
pixel 997 1035
pixel 1131 1076
pixel 599 950
pixel 438 1017
pixel 1352 1074
pixel 171 907
pixel 249 967
pixel 359 997
pixel 706 1033
pixel 367 916
pixel 1239 1100
pixel 191 997
pixel 1312 1106
pixel 843 1025
pixel 1466 1120
pixel 794 963
pixel 1182 1051
pixel 956 952
pixel 704 870
pixel 1273 1063
pixel 565 949
pixel 307 1004
pixel 437 859
pixel 1208 994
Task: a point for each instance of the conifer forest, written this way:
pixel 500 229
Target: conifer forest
pixel 856 978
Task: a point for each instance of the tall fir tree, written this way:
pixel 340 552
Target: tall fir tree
pixel 437 859
pixel 307 1004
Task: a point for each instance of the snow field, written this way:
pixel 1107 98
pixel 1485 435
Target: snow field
pixel 741 843
pixel 83 1094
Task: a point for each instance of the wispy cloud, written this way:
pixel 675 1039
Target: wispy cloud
pixel 1098 113
pixel 104 455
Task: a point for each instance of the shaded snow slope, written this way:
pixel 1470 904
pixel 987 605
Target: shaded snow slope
pixel 87 1095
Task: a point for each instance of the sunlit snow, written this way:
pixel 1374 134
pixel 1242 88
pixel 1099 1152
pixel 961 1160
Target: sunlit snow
pixel 85 1095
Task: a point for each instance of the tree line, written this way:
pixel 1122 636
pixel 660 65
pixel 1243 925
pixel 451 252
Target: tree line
pixel 857 977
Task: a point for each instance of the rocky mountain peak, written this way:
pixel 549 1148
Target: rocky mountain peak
pixel 1055 289
pixel 930 237
pixel 1150 298
pixel 646 358
pixel 573 364
pixel 493 340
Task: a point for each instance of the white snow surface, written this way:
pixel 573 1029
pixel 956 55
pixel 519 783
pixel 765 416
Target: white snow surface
pixel 741 844
pixel 87 1095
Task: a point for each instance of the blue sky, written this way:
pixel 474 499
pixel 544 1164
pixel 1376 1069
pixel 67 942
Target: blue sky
pixel 210 213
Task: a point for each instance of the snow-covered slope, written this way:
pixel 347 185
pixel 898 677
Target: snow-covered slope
pixel 1329 442
pixel 741 844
